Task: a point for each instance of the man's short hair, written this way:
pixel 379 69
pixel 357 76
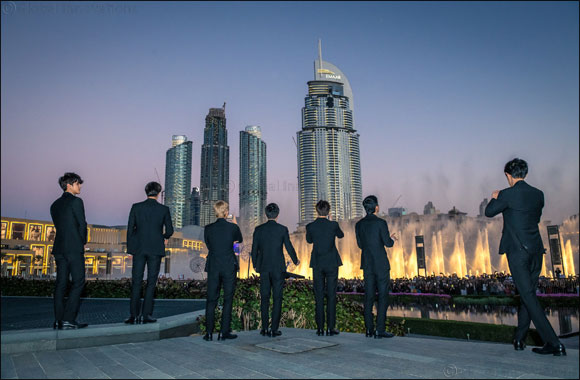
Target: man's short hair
pixel 323 208
pixel 69 179
pixel 370 204
pixel 272 210
pixel 221 208
pixel 517 168
pixel 152 189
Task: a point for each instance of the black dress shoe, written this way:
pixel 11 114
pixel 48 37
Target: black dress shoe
pixel 148 319
pixel 519 345
pixel 227 336
pixel 383 334
pixel 72 325
pixel 264 332
pixel 275 333
pixel 319 332
pixel 332 332
pixel 130 320
pixel 370 333
pixel 208 336
pixel 548 349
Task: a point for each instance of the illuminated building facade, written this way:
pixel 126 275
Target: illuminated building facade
pixel 215 164
pixel 328 147
pixel 253 185
pixel 26 247
pixel 178 180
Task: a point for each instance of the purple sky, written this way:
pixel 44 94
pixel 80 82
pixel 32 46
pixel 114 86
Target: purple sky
pixel 445 94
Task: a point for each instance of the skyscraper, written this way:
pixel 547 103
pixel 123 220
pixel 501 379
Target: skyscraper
pixel 253 185
pixel 328 147
pixel 178 180
pixel 195 206
pixel 215 164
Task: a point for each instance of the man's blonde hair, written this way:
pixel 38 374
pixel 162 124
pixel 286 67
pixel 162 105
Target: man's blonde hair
pixel 221 209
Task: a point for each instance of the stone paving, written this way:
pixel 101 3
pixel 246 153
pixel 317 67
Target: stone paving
pixel 20 313
pixel 349 356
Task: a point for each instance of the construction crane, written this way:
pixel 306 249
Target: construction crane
pixel 396 200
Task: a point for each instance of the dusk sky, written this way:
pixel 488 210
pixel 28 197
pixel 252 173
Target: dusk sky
pixel 445 94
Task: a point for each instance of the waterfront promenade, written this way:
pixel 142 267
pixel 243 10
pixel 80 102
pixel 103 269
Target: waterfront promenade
pixel 296 354
pixel 173 348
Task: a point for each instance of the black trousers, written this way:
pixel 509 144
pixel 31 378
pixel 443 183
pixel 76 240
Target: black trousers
pixel 525 269
pixel 153 264
pixel 215 281
pixel 72 265
pixel 271 282
pixel 325 282
pixel 379 283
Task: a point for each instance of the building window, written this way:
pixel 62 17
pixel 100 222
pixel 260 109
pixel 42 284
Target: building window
pixel 18 230
pixel 4 230
pixel 34 232
pixel 50 233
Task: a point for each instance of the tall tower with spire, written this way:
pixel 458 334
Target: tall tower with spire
pixel 328 146
pixel 215 164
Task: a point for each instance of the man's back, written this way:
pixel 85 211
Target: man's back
pixel 372 235
pixel 145 233
pixel 322 234
pixel 219 238
pixel 521 206
pixel 267 251
pixel 68 216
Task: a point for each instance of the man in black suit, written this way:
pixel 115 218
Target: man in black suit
pixel 521 206
pixel 324 262
pixel 68 216
pixel 146 242
pixel 268 260
pixel 372 235
pixel 221 267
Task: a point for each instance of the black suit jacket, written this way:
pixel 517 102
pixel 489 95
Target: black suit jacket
pixel 322 233
pixel 372 235
pixel 267 253
pixel 521 206
pixel 68 216
pixel 219 238
pixel 145 234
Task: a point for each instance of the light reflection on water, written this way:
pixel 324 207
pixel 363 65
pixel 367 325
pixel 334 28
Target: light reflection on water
pixel 564 320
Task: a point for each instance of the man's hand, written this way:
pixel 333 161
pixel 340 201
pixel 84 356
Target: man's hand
pixel 166 241
pixel 495 194
pixel 394 237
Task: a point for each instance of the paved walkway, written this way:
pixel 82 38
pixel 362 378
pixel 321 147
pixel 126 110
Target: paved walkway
pixel 347 355
pixel 21 313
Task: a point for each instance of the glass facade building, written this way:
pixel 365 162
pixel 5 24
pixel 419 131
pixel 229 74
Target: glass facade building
pixel 328 147
pixel 215 164
pixel 253 184
pixel 195 206
pixel 178 180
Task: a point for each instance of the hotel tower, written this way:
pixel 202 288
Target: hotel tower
pixel 328 147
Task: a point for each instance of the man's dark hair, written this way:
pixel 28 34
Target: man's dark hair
pixel 323 208
pixel 152 189
pixel 517 168
pixel 370 203
pixel 69 179
pixel 272 211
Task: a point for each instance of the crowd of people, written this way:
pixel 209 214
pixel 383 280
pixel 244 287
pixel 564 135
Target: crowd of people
pixel 495 284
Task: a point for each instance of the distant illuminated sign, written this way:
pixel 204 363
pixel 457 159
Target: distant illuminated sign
pixel 332 76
